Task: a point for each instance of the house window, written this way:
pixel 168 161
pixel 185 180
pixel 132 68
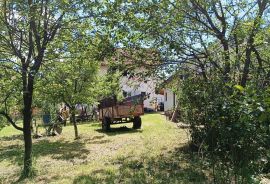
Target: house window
pixel 125 73
pixel 143 93
pixel 124 93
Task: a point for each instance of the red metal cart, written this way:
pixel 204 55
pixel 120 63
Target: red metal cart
pixel 126 111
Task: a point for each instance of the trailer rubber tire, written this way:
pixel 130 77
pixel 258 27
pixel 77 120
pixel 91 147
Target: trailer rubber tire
pixel 137 122
pixel 106 122
pixel 58 129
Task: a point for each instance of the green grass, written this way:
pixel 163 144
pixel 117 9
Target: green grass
pixel 154 154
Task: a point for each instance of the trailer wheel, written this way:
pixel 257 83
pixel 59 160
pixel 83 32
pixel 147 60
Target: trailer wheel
pixel 137 122
pixel 58 129
pixel 106 122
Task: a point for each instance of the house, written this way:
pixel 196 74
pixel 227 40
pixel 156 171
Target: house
pixel 171 105
pixel 132 84
pixel 170 97
pixel 170 100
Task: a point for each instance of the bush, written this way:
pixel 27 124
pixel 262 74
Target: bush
pixel 229 125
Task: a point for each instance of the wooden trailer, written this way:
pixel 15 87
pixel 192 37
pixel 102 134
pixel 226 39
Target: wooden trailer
pixel 127 111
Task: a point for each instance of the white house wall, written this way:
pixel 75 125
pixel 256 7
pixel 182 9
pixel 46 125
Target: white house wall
pixel 170 100
pixel 135 87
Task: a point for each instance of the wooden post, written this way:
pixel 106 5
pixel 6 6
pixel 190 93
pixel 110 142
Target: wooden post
pixel 174 113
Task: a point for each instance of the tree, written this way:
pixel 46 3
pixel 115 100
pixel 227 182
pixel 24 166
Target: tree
pixel 194 32
pixel 73 81
pixel 28 30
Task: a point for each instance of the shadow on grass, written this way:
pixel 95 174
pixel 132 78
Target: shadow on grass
pixel 11 138
pixel 178 166
pixel 119 130
pixel 105 177
pixel 60 150
pixel 13 153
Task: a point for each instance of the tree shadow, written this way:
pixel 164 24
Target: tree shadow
pixel 59 150
pixel 177 166
pixel 13 153
pixel 11 138
pixel 119 130
pixel 105 177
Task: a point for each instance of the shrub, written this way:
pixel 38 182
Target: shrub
pixel 229 125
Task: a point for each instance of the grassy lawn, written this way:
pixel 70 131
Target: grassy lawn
pixel 154 154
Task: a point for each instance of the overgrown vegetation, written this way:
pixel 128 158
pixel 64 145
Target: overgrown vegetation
pixel 229 126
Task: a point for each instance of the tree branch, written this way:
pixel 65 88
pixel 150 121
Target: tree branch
pixel 10 120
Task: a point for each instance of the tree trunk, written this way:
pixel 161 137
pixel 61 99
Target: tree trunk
pixel 27 143
pixel 27 117
pixel 227 65
pixel 246 67
pixel 250 43
pixel 73 119
pixel 28 87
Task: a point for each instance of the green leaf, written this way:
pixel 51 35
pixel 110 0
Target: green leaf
pixel 239 87
pixel 263 117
